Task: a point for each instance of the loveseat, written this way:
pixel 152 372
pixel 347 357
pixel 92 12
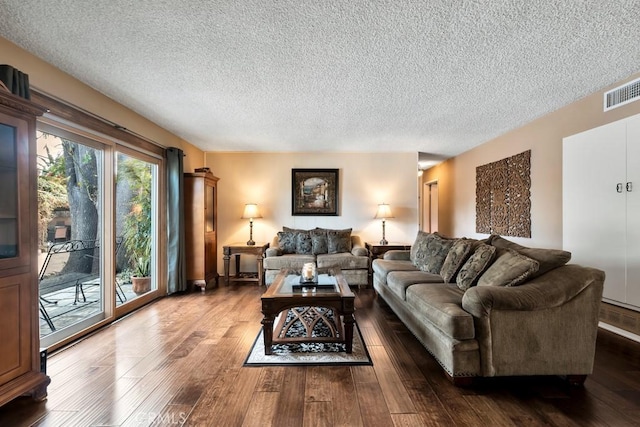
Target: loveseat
pixel 491 307
pixel 292 248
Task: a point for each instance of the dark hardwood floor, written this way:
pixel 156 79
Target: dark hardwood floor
pixel 179 362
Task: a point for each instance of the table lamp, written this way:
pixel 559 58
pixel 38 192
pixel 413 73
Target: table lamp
pixel 384 212
pixel 250 212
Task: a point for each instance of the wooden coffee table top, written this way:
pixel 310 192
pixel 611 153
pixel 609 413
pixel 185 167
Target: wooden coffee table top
pixel 284 287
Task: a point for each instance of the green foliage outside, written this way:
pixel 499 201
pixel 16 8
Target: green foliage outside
pixel 52 190
pixel 137 223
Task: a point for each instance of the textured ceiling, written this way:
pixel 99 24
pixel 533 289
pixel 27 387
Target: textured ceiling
pixel 328 75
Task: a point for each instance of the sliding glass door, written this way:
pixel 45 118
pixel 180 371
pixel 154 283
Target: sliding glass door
pixel 71 234
pixel 98 228
pixel 135 222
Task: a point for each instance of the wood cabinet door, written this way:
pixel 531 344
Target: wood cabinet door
pixel 15 245
pixel 15 333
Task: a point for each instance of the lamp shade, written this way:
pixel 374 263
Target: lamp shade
pixel 384 211
pixel 251 211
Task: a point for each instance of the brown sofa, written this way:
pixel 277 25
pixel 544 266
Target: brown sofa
pixel 292 248
pixel 524 312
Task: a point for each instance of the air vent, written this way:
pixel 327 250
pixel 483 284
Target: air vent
pixel 622 95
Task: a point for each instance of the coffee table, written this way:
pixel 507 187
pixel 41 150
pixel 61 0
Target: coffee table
pixel 285 292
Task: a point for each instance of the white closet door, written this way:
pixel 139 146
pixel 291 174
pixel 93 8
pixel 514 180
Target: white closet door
pixel 633 211
pixel 594 212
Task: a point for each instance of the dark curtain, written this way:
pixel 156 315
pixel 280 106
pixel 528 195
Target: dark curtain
pixel 176 267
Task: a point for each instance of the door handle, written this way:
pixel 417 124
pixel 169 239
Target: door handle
pixel 629 187
pixel 619 187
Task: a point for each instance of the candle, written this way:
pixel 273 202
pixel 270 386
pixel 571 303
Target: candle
pixel 308 271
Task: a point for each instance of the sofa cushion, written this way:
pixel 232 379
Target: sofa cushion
pixel 399 281
pixel 473 268
pixel 287 241
pixel 343 260
pixel 441 304
pixel 510 268
pixel 382 267
pixel 293 261
pixel 419 249
pixel 319 242
pixel 303 243
pixel 457 256
pixel 339 241
pixel 547 258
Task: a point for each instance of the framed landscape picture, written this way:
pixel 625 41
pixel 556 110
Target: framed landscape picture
pixel 314 191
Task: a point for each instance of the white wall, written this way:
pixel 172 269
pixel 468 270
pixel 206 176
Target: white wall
pixel 365 180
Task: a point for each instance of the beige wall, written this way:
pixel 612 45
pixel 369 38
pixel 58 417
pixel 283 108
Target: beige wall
pixel 265 178
pixel 51 80
pixel 456 177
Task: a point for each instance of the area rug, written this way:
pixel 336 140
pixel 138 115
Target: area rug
pixel 308 354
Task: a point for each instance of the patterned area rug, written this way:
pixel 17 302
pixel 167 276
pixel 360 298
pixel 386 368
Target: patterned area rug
pixel 309 354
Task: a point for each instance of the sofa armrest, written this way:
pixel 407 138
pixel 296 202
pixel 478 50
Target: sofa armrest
pixel 397 255
pixel 552 289
pixel 357 247
pixel 547 326
pixel 273 249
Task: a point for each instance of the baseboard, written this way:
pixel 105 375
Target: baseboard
pixel 620 317
pixel 619 331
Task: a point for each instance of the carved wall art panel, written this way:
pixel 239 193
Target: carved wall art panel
pixel 503 196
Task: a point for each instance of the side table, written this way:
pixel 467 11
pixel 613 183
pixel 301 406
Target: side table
pixel 237 249
pixel 376 250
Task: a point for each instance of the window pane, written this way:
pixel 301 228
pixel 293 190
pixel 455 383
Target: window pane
pixel 134 226
pixel 69 196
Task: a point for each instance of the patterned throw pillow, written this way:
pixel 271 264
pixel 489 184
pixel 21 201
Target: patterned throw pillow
pixel 437 249
pixel 457 256
pixel 477 263
pixel 319 241
pixel 510 268
pixel 547 258
pixel 419 249
pixel 287 241
pixel 303 242
pixel 339 241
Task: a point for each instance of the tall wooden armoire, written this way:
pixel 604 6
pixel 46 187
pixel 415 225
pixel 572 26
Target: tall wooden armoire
pixel 20 361
pixel 201 243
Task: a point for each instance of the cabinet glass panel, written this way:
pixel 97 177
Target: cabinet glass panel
pixel 9 192
pixel 208 208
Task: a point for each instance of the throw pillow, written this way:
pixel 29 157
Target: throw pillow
pixel 419 249
pixel 287 241
pixel 437 249
pixel 303 242
pixel 294 230
pixel 339 241
pixel 319 242
pixel 548 258
pixel 475 266
pixel 510 268
pixel 457 256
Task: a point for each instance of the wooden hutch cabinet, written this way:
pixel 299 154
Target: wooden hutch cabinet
pixel 201 244
pixel 20 371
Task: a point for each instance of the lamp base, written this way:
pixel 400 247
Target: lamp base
pixel 384 242
pixel 251 243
